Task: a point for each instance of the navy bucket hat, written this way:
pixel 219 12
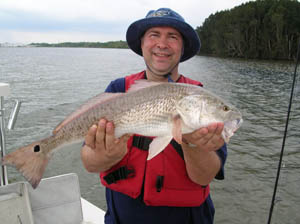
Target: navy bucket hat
pixel 163 17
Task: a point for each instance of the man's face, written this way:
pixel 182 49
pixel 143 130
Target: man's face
pixel 162 48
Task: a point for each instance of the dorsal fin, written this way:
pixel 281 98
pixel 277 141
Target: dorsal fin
pixel 91 103
pixel 141 84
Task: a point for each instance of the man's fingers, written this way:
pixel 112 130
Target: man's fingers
pixel 213 130
pixel 214 137
pixel 200 133
pixel 100 134
pixel 220 128
pixel 216 128
pixel 91 136
pixel 110 136
pixel 210 135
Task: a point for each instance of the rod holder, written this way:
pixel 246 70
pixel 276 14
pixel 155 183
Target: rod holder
pixel 13 115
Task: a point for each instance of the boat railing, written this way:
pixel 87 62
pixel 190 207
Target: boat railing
pixel 5 91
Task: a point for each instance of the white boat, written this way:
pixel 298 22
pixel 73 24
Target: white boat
pixel 56 199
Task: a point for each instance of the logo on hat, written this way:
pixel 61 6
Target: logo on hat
pixel 159 13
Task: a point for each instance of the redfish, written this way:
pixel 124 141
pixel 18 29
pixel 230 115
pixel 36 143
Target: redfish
pixel 161 110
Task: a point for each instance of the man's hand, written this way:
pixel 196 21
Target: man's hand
pixel 199 149
pixel 102 150
pixel 208 138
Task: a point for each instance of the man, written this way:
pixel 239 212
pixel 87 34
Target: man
pixel 173 187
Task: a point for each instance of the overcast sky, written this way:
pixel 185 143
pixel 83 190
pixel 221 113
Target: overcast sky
pixel 54 21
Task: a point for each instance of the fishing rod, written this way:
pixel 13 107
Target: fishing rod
pixel 285 134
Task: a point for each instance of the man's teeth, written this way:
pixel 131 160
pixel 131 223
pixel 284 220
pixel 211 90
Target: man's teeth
pixel 162 55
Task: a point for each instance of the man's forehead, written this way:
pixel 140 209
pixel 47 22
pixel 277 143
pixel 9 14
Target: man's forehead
pixel 164 29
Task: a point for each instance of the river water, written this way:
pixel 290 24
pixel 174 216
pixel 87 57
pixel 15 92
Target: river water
pixel 52 82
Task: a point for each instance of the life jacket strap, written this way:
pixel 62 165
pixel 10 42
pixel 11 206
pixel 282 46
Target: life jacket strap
pixel 119 174
pixel 143 142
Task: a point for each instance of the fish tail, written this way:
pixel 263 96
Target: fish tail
pixel 29 161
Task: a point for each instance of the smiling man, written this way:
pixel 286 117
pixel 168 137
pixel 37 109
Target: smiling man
pixel 173 187
pixel 162 48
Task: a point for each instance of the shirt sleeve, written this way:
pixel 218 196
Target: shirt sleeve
pixel 116 86
pixel 222 153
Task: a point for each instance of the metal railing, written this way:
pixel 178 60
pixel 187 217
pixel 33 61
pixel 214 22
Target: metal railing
pixel 4 91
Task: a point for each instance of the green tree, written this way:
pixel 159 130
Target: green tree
pixel 263 29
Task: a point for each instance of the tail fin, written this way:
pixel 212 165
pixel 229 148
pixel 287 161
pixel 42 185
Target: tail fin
pixel 29 161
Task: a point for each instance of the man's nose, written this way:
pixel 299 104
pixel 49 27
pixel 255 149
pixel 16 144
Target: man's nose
pixel 162 43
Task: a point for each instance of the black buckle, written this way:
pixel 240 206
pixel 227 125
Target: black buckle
pixel 119 174
pixel 159 183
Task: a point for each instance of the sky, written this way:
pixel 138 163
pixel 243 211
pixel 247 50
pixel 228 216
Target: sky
pixel 56 21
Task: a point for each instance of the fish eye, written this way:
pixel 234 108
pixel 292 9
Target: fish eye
pixel 36 148
pixel 225 108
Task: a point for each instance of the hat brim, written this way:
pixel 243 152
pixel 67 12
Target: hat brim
pixel 137 29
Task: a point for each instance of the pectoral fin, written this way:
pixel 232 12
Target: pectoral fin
pixel 176 129
pixel 158 145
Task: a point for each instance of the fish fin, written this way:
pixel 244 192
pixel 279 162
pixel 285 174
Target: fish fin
pixel 157 145
pixel 141 84
pixel 176 128
pixel 91 103
pixel 30 163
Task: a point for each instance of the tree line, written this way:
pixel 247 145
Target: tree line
pixel 261 29
pixel 109 44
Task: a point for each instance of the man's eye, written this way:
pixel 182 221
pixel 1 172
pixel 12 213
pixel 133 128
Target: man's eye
pixel 153 35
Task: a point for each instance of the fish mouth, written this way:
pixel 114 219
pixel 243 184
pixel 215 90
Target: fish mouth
pixel 230 127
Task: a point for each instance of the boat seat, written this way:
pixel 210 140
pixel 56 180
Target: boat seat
pixel 57 200
pixel 14 204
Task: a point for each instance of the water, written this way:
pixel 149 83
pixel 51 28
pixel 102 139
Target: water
pixel 52 82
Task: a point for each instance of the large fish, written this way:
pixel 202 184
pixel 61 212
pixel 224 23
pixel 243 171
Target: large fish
pixel 164 110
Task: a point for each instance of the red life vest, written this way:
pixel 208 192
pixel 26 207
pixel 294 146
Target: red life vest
pixel 164 178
